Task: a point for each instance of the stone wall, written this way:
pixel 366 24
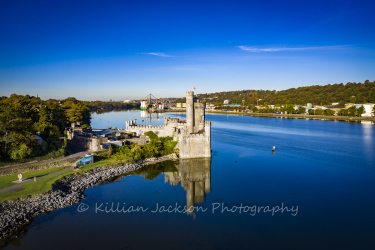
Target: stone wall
pixel 193 135
pixel 194 145
pixel 166 130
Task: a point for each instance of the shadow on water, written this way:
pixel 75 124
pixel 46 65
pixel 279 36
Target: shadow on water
pixel 194 175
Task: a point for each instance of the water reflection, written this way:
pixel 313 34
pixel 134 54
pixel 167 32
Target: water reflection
pixel 151 117
pixel 195 177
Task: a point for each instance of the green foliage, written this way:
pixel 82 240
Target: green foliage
pixel 74 113
pixel 65 139
pixel 17 116
pixel 22 117
pixel 329 112
pixel 301 111
pixel 343 112
pixel 101 106
pixel 319 111
pixel 157 147
pixel 317 94
pixel 153 137
pixel 360 111
pixel 168 145
pixel 86 126
pixel 153 171
pixel 112 149
pixel 20 151
pixel 352 111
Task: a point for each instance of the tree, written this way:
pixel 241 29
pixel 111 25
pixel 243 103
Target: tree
pixel 74 114
pixel 289 109
pixel 112 148
pixel 20 151
pixel 360 111
pixel 319 111
pixel 343 112
pixel 16 126
pixel 329 112
pixel 44 121
pixel 352 111
pixel 78 112
pixel 301 111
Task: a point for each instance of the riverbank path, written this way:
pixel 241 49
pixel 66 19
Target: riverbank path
pixel 18 187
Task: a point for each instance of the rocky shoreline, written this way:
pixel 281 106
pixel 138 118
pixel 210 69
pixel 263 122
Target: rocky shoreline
pixel 15 214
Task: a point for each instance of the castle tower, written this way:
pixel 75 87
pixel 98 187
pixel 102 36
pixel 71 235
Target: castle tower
pixel 190 111
pixel 199 116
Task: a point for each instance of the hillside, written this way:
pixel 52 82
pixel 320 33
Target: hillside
pixel 317 94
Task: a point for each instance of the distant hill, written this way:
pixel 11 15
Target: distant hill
pixel 317 94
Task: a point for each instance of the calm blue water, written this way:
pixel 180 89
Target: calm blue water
pixel 326 169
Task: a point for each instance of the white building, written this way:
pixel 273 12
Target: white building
pixel 226 102
pixel 368 109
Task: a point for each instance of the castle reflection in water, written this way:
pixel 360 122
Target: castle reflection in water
pixel 194 176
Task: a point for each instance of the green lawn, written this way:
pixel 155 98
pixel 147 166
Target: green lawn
pixel 45 184
pixel 6 181
pixel 38 187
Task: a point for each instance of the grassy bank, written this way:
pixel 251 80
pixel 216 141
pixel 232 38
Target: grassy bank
pixel 107 158
pixel 6 181
pixel 41 186
pixel 45 184
pixel 50 155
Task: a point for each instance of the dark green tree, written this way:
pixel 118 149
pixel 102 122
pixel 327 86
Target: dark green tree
pixel 360 111
pixel 352 111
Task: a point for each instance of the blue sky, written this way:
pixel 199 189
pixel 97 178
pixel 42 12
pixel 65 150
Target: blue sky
pixel 101 50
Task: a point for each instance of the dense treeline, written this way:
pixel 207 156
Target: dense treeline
pixel 158 146
pixel 317 95
pixel 22 118
pixel 96 105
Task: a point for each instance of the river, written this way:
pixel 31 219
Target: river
pixel 316 191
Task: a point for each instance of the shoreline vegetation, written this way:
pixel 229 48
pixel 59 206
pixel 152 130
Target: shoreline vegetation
pixel 62 190
pixel 114 156
pixel 32 129
pixel 291 116
pixel 341 94
pixel 18 209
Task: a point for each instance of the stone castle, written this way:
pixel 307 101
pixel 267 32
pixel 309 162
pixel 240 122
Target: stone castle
pixel 193 134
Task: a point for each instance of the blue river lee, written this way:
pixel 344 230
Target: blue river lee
pixel 316 191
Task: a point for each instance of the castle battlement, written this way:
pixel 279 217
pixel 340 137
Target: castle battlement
pixel 193 134
pixel 146 127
